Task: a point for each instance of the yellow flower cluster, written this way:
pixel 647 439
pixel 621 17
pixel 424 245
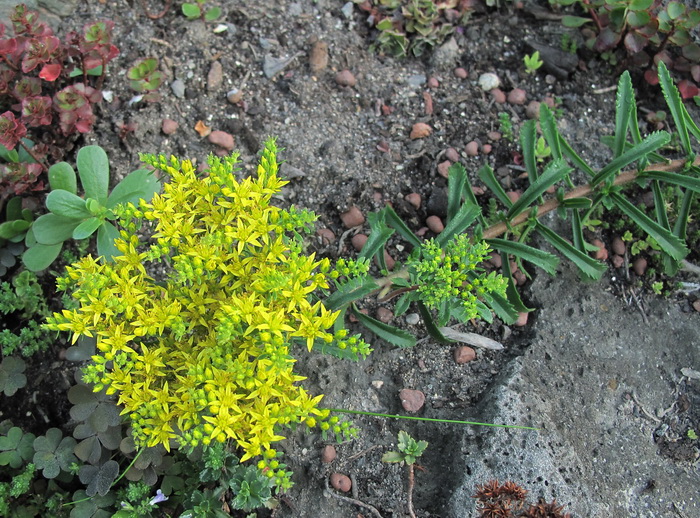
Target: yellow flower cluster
pixel 200 353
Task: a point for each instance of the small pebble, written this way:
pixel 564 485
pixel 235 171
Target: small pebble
pixel 420 130
pixel 533 110
pixel 522 319
pixel 169 126
pixel 640 266
pixel 618 246
pixel 472 149
pixel 384 315
pixel 498 96
pixel 489 81
pixel 222 139
pixel 602 253
pixel 341 482
pixel 411 400
pixel 433 82
pixel 549 101
pixel 327 236
pixel 234 96
pixel 452 154
pixel 358 241
pixel 517 96
pixel 435 224
pixel 486 149
pixel 318 57
pixel 328 454
pixel 178 88
pixel 618 261
pixel 513 195
pixel 377 384
pixel 412 319
pixel 352 218
pixel 495 259
pixel 478 191
pixel 461 73
pixel 345 78
pixel 494 135
pixel 390 261
pixel 464 354
pixel 696 305
pixel 215 76
pixel 414 199
pixel 519 277
pixel 443 168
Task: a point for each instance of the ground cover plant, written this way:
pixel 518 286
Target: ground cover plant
pixel 114 459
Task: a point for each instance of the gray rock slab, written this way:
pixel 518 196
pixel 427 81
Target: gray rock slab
pixel 595 380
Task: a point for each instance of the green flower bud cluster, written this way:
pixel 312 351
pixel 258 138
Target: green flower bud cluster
pixel 350 268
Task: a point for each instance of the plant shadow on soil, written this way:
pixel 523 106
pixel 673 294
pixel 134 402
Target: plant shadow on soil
pixel 330 137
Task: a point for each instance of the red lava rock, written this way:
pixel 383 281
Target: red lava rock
pixel 498 96
pixel 513 195
pixel 486 148
pixel 519 277
pixel 443 168
pixel 602 253
pixel 433 82
pixel 472 149
pixel 495 260
pixel 687 89
pixel 533 110
pixel 420 130
pixel 452 154
pixel 618 261
pixel 551 189
pixel 345 78
pixel 169 126
pixel 517 96
pixel 478 191
pixel 435 224
pixel 215 76
pixel 341 482
pixel 318 57
pixel 411 400
pixel 422 231
pixel 696 305
pixel 327 236
pixel 494 135
pixel 640 266
pixel 618 246
pixel 522 319
pixel 358 241
pixel 461 73
pixel 352 218
pixel 390 262
pixel 328 454
pixel 464 354
pixel 222 139
pixel 353 318
pixel 428 100
pixel 384 315
pixel 414 199
pixel 549 101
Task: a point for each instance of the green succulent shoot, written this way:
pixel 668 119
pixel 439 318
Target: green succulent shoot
pixel 533 62
pixel 73 217
pixel 408 450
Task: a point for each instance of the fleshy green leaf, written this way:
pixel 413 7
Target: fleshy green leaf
pixel 486 175
pixel 464 217
pixel 212 14
pixel 649 144
pixel 140 184
pixel 528 136
pixel 554 172
pixel 52 229
pixel 511 291
pixel 574 21
pixel 456 180
pixel 549 130
pixel 106 234
pixel 66 204
pixel 672 245
pixel 394 221
pixel 62 176
pixel 430 326
pixel 93 168
pixel 391 334
pixel 548 262
pixel 87 228
pixel 379 235
pixel 191 11
pixel 589 267
pixel 39 257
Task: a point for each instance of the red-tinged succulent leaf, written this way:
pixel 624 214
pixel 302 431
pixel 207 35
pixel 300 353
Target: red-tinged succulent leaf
pixel 36 111
pixel 680 37
pixel 607 40
pixel 691 52
pixel 40 51
pixel 7 46
pixel 651 77
pixel 11 130
pixel 640 5
pixel 665 57
pixel 50 72
pixel 675 9
pixel 635 42
pixel 641 59
pixel 27 87
pixel 6 77
pixel 638 18
pixel 688 89
pixel 695 73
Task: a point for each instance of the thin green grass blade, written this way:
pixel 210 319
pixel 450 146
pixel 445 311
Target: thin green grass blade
pixel 681 225
pixel 576 203
pixel 549 129
pixel 608 140
pixel 395 222
pixel 672 245
pixel 553 173
pixel 486 175
pixel 461 221
pixel 577 231
pixel 430 325
pixel 391 334
pixel 587 265
pixel 623 108
pixel 354 289
pixel 648 145
pixel 690 124
pixel 675 106
pixel 528 136
pixel 511 291
pixel 681 180
pixel 548 262
pixel 456 180
pixel 378 236
pixel 502 307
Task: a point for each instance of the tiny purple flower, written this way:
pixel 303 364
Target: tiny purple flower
pixel 160 497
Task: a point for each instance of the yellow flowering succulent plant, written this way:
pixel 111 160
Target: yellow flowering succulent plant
pixel 194 325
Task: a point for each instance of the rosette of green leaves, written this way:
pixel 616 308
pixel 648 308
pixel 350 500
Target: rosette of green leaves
pixel 73 217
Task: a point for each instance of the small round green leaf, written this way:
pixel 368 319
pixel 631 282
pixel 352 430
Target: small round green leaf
pixel 675 9
pixel 87 228
pixel 640 5
pixel 39 257
pixel 66 204
pixel 192 11
pixel 62 176
pixel 93 168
